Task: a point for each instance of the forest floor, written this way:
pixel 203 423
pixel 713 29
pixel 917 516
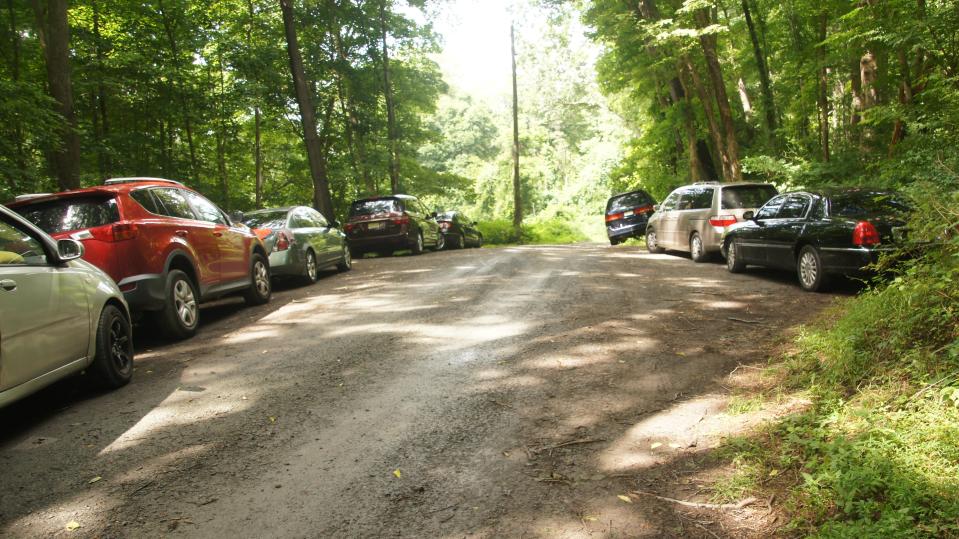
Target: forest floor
pixel 549 391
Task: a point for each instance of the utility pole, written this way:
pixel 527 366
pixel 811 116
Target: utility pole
pixel 517 195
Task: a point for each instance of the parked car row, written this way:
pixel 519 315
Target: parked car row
pixel 818 234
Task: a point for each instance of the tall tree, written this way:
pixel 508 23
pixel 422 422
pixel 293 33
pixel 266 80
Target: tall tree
pixel 390 106
pixel 517 191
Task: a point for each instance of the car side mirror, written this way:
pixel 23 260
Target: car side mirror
pixel 655 207
pixel 236 217
pixel 69 249
pixel 749 216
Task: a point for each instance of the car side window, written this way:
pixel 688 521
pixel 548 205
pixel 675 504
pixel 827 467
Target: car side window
pixel 172 203
pixel 144 197
pixel 317 218
pixel 670 202
pixel 818 209
pixel 771 208
pixel 204 209
pixel 696 198
pixel 794 207
pixel 18 248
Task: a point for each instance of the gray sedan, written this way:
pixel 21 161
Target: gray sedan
pixel 300 241
pixel 59 315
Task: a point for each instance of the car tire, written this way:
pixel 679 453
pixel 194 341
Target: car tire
pixel 460 242
pixel 479 242
pixel 311 271
pixel 613 241
pixel 181 310
pixel 440 242
pixel 809 270
pixel 733 261
pixel 112 366
pixel 652 245
pixel 260 289
pixel 696 249
pixel 346 261
pixel 417 247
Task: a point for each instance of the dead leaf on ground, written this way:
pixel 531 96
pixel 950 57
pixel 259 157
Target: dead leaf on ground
pixel 625 498
pixel 94 480
pixel 73 525
pixel 397 473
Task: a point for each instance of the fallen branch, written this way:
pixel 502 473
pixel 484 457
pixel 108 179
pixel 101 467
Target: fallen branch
pixel 744 321
pixel 570 442
pixel 698 505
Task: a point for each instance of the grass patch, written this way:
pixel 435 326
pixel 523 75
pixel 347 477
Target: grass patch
pixel 744 404
pixel 555 230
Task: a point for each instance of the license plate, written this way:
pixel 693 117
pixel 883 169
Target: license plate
pixel 378 225
pixel 627 213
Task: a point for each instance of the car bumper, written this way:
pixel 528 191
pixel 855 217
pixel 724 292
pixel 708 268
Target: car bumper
pixel 144 292
pixel 628 231
pixel 393 241
pixel 285 262
pixel 849 260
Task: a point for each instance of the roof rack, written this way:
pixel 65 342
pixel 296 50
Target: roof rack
pixel 18 198
pixel 115 181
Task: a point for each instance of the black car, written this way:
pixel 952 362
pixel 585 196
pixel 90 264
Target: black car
pixel 391 223
pixel 818 233
pixel 627 215
pixel 460 231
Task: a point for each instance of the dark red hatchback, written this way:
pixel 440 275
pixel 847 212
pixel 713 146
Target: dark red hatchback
pixel 167 247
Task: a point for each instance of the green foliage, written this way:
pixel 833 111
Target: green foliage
pixel 554 230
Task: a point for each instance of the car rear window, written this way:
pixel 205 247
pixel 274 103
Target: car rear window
pixel 628 201
pixel 867 203
pixel 446 216
pixel 71 213
pixel 268 219
pixel 747 196
pixel 370 207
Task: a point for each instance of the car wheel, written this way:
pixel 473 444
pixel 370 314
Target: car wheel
pixel 652 244
pixel 696 250
pixel 417 247
pixel 809 269
pixel 460 242
pixel 479 242
pixel 181 311
pixel 440 242
pixel 260 288
pixel 310 271
pixel 613 241
pixel 346 262
pixel 113 364
pixel 733 261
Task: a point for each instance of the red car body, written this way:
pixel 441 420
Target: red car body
pixel 129 230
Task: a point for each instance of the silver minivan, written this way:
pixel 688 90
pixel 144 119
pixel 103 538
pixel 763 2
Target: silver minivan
pixel 693 217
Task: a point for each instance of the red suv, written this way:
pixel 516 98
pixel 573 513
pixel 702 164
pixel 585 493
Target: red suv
pixel 166 246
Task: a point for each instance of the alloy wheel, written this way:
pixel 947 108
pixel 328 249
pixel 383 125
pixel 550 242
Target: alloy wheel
pixel 651 239
pixel 311 265
pixel 696 247
pixel 185 303
pixel 808 269
pixel 121 347
pixel 419 242
pixel 261 278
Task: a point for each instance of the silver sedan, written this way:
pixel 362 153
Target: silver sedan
pixel 59 315
pixel 300 241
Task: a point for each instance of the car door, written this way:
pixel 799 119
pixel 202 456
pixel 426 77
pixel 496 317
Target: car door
pixel 754 241
pixel 231 243
pixel 429 226
pixel 189 230
pixel 330 237
pixel 44 315
pixel 692 213
pixel 782 232
pixel 666 224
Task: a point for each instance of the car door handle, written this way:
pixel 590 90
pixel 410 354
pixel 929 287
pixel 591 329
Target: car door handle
pixel 182 233
pixel 8 285
pixel 218 234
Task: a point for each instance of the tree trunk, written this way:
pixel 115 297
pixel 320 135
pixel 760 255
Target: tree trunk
pixel 744 97
pixel 733 170
pixel 257 146
pixel 390 112
pixel 100 110
pixel 168 27
pixel 517 192
pixel 54 33
pixel 714 132
pixel 769 104
pixel 823 89
pixel 322 200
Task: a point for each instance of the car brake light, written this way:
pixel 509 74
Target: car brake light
pixel 614 217
pixel 283 241
pixel 644 209
pixel 400 218
pixel 722 220
pixel 865 234
pixel 349 227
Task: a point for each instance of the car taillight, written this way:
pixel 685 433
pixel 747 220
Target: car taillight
pixel 445 225
pixel 400 219
pixel 614 217
pixel 644 209
pixel 865 234
pixel 349 227
pixel 722 220
pixel 283 241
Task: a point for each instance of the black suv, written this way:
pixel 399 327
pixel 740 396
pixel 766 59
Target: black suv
pixel 627 215
pixel 391 223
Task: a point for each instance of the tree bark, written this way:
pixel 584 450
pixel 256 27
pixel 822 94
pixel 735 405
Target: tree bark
pixel 322 200
pixel 769 104
pixel 390 112
pixel 517 192
pixel 100 111
pixel 54 33
pixel 733 170
pixel 823 89
pixel 714 132
pixel 257 146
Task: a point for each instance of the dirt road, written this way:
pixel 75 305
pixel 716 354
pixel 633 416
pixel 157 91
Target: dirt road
pixel 514 392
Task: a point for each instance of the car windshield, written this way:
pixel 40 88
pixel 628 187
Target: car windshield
pixel 66 214
pixel 266 219
pixel 628 202
pixel 370 207
pixel 747 196
pixel 867 203
pixel 445 216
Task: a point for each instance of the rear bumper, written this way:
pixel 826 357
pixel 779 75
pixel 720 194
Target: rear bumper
pixel 849 260
pixel 628 231
pixel 285 262
pixel 393 241
pixel 146 292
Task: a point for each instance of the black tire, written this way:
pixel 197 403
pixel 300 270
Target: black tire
pixel 440 242
pixel 311 271
pixel 733 261
pixel 460 242
pixel 651 244
pixel 346 260
pixel 112 366
pixel 696 249
pixel 261 289
pixel 180 315
pixel 417 247
pixel 809 270
pixel 613 241
pixel 479 242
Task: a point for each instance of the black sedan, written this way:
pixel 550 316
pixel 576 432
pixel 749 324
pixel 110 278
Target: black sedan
pixel 818 234
pixel 460 230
